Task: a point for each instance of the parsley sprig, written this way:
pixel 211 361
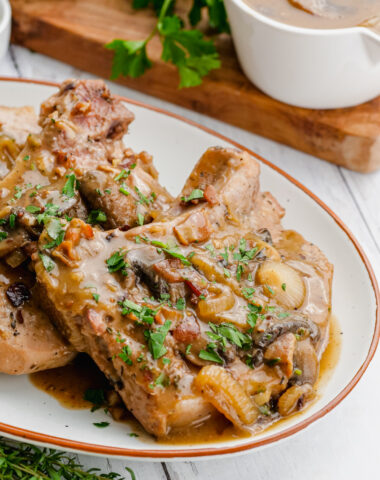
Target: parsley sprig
pixel 187 50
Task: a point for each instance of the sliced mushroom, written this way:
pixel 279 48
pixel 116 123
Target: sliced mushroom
pixel 142 261
pixel 264 337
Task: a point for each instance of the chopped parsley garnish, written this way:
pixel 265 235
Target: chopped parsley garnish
pixel 123 190
pixel 225 256
pixel 123 174
pixel 47 262
pixel 125 355
pixel 12 220
pixel 170 251
pixel 297 371
pixel 210 355
pixel 96 397
pixel 162 380
pixel 264 410
pixel 188 348
pixel 69 188
pixel 271 362
pixel 33 209
pixel 167 361
pixel 55 232
pixel 26 158
pixel 18 193
pixel 270 289
pixel 140 219
pixel 96 216
pixel 96 297
pixel 227 273
pixel 156 340
pixel 3 235
pixel 253 314
pixel 181 303
pixel 248 292
pixel 194 195
pixel 101 424
pixel 227 331
pixel 143 313
pixel 243 256
pixel 107 190
pixel 283 286
pixel 142 198
pixel 117 263
pixel 211 249
pixel 50 210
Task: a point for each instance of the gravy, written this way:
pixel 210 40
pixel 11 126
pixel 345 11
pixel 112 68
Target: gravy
pixel 321 13
pixel 68 385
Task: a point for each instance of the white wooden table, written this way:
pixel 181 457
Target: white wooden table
pixel 344 445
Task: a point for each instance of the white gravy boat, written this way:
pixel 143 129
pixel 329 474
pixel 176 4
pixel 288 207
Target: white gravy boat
pixel 306 67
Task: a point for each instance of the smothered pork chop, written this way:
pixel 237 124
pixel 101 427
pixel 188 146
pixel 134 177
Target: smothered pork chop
pixel 212 307
pixel 78 139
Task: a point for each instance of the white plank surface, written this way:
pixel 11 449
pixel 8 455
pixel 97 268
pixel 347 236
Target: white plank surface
pixel 345 444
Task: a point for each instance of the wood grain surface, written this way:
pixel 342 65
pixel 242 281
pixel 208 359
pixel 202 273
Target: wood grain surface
pixel 75 32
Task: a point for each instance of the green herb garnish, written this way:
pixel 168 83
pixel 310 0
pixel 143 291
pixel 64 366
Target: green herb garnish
pixel 70 186
pixel 156 340
pixel 194 195
pixel 96 216
pixel 193 56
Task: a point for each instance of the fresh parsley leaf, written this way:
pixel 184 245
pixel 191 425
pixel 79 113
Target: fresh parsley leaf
pixel 125 355
pixel 216 12
pixel 12 220
pixel 96 297
pixel 193 56
pixel 47 262
pixel 33 209
pixel 143 313
pixel 140 219
pixel 101 424
pixel 55 232
pixel 3 235
pixel 162 380
pixel 142 198
pixel 69 188
pixel 181 303
pixel 124 190
pixel 116 262
pixel 170 251
pixel 156 340
pixel 96 397
pixel 130 58
pixel 210 356
pixel 96 216
pixel 194 195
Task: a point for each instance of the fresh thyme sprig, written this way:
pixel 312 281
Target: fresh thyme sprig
pixel 28 462
pixel 188 50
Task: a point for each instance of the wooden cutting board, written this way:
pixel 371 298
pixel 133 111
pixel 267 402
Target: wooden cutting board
pixel 75 31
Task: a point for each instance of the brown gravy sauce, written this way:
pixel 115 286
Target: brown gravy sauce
pixel 321 14
pixel 68 385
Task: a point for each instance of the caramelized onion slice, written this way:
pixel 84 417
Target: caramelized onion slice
pixel 294 398
pixel 226 394
pixel 219 299
pixel 282 282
